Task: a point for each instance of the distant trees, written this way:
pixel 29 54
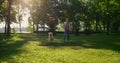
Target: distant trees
pixel 8 13
pixel 89 15
pixel 104 13
pixel 40 11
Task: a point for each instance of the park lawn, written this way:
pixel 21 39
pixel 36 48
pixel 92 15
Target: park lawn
pixel 35 48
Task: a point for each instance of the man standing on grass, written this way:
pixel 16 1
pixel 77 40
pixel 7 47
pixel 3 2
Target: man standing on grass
pixel 67 29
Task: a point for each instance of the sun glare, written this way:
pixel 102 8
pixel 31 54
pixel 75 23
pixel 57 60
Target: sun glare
pixel 24 1
pixel 25 18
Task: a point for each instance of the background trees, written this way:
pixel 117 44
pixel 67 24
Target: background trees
pixel 85 15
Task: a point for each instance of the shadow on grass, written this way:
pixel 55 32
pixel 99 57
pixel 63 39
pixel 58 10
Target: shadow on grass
pixel 97 41
pixel 10 47
pixel 58 44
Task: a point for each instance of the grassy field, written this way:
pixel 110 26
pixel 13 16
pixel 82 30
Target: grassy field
pixel 35 48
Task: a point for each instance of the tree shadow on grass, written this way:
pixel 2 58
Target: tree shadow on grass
pixel 58 44
pixel 10 47
pixel 111 42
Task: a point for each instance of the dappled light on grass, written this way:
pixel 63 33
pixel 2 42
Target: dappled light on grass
pixel 35 48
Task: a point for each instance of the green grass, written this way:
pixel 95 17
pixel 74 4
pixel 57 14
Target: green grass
pixel 35 48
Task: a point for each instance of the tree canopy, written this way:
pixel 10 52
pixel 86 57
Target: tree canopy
pixel 89 15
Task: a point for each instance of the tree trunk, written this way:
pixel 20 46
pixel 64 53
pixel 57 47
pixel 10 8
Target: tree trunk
pixel 76 28
pixel 33 27
pixel 5 27
pixel 20 26
pixel 104 26
pixel 19 18
pixel 96 25
pixel 43 27
pixel 108 19
pixel 37 28
pixel 97 21
pixel 8 30
pixel 108 27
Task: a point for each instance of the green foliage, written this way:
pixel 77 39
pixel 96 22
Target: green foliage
pixel 96 15
pixel 3 9
pixel 13 30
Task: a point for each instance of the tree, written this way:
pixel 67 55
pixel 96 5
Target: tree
pixel 19 15
pixel 8 28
